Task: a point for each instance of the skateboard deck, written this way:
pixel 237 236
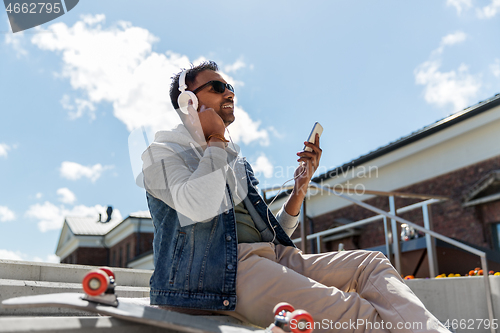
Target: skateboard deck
pixel 132 310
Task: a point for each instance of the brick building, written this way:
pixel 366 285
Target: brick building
pixel 115 243
pixel 457 157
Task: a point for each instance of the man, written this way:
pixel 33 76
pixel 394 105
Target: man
pixel 217 247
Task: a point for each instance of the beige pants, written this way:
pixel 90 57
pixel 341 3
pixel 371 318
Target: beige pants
pixel 347 291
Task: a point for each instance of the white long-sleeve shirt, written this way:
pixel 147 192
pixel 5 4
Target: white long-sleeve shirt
pixel 193 182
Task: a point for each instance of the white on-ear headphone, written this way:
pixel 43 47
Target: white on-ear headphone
pixel 186 95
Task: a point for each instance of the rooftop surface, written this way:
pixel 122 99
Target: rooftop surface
pixel 85 225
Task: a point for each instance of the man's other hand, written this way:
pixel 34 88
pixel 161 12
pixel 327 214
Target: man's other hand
pixel 211 122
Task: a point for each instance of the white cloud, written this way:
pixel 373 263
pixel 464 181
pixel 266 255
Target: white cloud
pixel 10 255
pixel 449 40
pixel 117 65
pixel 15 41
pixel 51 217
pixel 234 67
pixel 51 258
pixel 453 38
pixel 263 165
pixel 6 214
pixel 247 130
pixel 486 12
pixel 459 4
pixel 66 196
pixel 75 171
pixel 495 68
pixel 457 88
pixel 4 149
pixel 275 132
pixel 489 11
pixel 78 107
pixel 39 195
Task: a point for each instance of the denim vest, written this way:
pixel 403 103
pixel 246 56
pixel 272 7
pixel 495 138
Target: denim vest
pixel 195 265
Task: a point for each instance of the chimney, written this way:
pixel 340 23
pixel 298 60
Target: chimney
pixel 109 211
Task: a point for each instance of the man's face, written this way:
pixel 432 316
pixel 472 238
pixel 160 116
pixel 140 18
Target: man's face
pixel 223 104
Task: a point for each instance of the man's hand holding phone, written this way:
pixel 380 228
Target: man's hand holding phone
pixel 308 164
pixel 309 159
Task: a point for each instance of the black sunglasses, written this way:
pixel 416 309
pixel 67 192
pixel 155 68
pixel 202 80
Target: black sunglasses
pixel 218 86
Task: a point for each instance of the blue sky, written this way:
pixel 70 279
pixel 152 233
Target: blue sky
pixel 74 89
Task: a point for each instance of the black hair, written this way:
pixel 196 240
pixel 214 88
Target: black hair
pixel 190 77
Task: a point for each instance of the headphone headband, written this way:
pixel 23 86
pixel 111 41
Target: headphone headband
pixel 182 81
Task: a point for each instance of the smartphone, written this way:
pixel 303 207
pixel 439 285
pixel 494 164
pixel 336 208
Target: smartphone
pixel 317 128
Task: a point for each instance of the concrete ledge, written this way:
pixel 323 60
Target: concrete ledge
pixel 89 324
pixel 16 288
pixel 460 298
pixel 74 324
pixel 20 278
pixel 35 271
pixel 23 278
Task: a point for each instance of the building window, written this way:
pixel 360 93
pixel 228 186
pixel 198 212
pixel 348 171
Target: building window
pixel 496 236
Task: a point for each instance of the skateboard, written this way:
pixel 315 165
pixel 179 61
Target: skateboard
pixel 298 321
pixel 100 298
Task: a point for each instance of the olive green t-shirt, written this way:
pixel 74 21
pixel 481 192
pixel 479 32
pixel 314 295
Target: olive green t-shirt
pixel 245 227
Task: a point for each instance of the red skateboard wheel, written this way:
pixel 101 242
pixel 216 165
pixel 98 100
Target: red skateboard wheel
pixel 95 282
pixel 283 306
pixel 301 322
pixel 108 271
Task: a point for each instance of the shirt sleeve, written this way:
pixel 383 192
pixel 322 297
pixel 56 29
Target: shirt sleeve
pixel 195 193
pixel 288 222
